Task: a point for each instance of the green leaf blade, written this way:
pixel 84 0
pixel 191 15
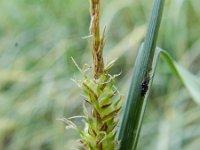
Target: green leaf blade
pixel 136 102
pixel 190 81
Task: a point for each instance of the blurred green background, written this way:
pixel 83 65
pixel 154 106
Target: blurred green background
pixel 37 40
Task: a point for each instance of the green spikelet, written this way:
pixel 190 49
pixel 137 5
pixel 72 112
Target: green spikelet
pixel 103 105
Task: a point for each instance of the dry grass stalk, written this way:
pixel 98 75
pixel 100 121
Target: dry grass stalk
pixel 97 40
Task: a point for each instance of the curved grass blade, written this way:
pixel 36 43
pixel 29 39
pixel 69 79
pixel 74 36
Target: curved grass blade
pixel 135 105
pixel 190 81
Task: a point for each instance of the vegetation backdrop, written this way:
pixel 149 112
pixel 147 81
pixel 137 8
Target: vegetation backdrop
pixel 37 40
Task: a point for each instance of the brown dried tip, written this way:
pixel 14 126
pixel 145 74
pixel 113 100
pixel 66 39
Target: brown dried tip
pixel 97 41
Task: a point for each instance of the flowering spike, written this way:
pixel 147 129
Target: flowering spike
pixel 102 101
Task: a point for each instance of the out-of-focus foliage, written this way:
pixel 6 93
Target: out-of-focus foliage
pixel 37 40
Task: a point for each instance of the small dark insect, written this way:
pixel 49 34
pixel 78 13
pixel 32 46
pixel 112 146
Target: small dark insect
pixel 145 85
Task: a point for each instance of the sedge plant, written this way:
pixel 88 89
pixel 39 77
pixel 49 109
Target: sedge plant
pixel 102 101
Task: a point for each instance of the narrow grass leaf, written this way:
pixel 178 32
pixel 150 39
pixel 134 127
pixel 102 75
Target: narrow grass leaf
pixel 136 102
pixel 190 81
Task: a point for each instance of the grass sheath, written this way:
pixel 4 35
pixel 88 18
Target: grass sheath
pixel 140 84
